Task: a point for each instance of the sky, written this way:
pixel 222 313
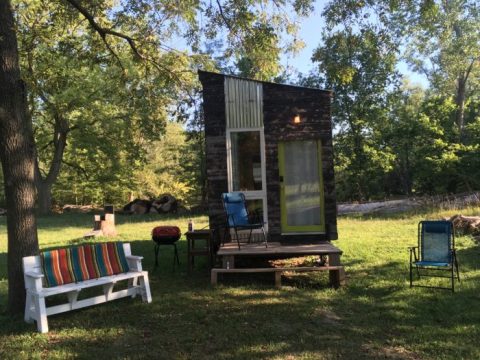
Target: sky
pixel 310 33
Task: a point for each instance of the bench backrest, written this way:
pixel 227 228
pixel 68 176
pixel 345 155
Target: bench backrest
pixel 34 264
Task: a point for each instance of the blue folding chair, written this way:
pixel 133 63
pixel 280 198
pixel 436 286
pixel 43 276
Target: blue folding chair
pixel 238 217
pixel 435 251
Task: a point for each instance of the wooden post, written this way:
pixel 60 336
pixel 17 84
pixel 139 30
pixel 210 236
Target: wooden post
pixel 337 277
pixel 278 279
pixel 228 262
pixel 214 277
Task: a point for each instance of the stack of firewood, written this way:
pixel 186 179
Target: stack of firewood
pixel 163 204
pixel 466 225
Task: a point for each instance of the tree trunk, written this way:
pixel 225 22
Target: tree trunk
pixel 18 160
pixel 44 197
pixel 460 102
pixel 44 185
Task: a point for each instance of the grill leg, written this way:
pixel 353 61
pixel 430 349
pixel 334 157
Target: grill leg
pixel 157 247
pixel 175 256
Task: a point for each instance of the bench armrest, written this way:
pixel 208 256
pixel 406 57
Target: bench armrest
pixel 34 275
pixel 134 262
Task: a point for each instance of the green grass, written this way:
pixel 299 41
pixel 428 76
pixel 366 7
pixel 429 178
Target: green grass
pixel 376 315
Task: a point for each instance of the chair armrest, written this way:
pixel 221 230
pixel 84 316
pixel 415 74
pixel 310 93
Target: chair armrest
pixel 256 216
pixel 134 262
pixel 413 251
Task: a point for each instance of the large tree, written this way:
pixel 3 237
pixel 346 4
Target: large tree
pixel 17 154
pixel 134 23
pixel 440 37
pixel 358 64
pixel 101 107
pixel 443 42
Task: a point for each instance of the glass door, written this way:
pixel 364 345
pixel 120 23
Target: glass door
pixel 301 187
pixel 246 168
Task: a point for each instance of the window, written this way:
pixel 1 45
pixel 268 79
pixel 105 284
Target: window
pixel 246 161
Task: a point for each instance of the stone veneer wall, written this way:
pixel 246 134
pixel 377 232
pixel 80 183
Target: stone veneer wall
pixel 280 104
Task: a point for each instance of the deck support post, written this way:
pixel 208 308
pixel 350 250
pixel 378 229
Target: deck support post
pixel 228 262
pixel 278 279
pixel 337 277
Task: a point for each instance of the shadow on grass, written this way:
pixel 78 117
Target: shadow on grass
pixel 376 315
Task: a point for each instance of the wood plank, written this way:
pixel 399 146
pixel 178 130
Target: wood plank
pixel 278 269
pixel 276 248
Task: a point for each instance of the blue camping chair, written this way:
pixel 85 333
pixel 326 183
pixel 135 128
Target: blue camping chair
pixel 435 251
pixel 238 217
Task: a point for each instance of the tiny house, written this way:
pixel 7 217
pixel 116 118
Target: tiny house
pixel 273 142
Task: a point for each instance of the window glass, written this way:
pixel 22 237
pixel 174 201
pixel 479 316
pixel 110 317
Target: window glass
pixel 302 183
pixel 246 161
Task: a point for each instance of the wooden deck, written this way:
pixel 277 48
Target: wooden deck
pixel 229 251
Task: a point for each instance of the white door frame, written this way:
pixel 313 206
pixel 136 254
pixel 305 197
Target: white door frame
pixel 250 194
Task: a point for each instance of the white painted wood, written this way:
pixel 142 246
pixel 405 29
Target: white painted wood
pixel 35 307
pixel 250 194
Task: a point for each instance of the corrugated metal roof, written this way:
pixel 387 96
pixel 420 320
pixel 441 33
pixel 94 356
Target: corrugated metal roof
pixel 244 103
pixel 265 82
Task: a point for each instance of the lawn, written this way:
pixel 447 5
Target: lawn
pixel 376 315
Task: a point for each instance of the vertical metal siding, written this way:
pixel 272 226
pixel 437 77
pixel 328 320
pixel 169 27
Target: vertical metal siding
pixel 244 103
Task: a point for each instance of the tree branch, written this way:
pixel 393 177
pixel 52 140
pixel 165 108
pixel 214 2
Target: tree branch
pixel 224 18
pixel 467 74
pixel 77 167
pixel 103 32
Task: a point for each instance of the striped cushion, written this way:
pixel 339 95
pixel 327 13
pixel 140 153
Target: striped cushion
pixel 110 258
pixel 84 262
pixel 57 267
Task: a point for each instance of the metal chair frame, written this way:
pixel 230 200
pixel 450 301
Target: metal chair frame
pixel 251 226
pixel 416 256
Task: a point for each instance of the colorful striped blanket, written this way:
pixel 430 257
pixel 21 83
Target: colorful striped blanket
pixel 84 262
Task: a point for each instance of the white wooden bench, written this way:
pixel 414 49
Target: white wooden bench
pixel 35 307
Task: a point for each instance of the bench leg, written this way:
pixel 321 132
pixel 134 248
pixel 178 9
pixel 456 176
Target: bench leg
pixel 28 309
pixel 107 290
pixel 72 298
pixel 145 288
pixel 41 314
pixel 278 279
pixel 214 278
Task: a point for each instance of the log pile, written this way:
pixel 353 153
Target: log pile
pixel 162 205
pixel 466 225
